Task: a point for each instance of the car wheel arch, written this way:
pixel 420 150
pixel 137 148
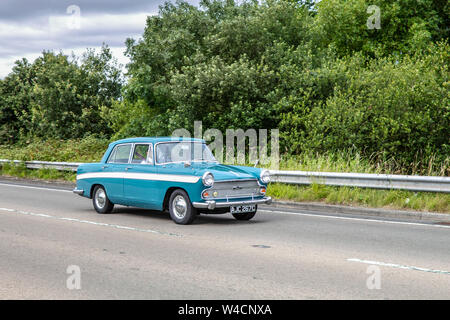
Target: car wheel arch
pixel 91 194
pixel 169 192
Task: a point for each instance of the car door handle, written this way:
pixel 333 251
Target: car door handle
pixel 127 168
pixel 104 167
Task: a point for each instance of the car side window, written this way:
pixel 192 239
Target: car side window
pixel 141 154
pixel 120 154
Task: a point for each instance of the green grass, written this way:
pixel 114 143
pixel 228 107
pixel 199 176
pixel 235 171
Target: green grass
pixel 89 149
pixel 392 199
pixel 20 171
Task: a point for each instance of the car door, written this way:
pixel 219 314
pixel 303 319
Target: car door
pixel 114 169
pixel 139 183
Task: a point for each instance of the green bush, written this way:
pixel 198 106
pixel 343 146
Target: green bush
pixel 89 149
pixel 58 97
pixel 397 109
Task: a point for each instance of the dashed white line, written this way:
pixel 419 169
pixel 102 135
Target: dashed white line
pixel 398 266
pixel 31 187
pixel 42 215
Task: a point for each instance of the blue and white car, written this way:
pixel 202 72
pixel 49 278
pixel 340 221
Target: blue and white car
pixel 179 175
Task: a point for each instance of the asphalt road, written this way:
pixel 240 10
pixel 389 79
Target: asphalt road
pixel 54 246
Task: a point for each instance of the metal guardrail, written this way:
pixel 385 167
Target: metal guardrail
pixel 67 166
pixel 362 180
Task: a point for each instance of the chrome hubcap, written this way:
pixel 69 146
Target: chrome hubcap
pixel 179 206
pixel 100 198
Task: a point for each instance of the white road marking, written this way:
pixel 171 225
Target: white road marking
pixel 399 266
pixel 356 219
pixel 89 222
pixel 30 187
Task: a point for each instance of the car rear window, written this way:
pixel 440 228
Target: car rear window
pixel 120 154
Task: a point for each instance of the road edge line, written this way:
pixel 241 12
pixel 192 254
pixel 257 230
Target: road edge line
pixel 371 212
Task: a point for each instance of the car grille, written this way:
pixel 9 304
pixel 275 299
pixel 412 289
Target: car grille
pixel 234 189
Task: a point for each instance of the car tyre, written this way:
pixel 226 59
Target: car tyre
pixel 180 208
pixel 101 202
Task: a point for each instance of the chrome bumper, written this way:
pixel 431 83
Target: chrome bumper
pixel 78 191
pixel 211 204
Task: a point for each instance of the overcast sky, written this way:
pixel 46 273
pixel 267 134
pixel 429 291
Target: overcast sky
pixel 27 27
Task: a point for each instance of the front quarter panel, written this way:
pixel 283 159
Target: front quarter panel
pixel 86 184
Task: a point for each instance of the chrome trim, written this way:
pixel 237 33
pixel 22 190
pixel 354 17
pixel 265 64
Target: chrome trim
pixel 130 156
pixel 217 183
pixel 179 206
pixel 211 205
pixel 261 174
pixel 78 191
pixel 203 179
pixel 236 180
pixel 100 198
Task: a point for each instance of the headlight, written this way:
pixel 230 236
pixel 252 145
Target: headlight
pixel 265 176
pixel 208 179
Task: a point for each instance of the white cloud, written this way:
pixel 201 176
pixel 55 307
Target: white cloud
pixel 60 33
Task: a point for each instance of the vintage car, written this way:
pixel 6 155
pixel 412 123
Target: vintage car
pixel 179 175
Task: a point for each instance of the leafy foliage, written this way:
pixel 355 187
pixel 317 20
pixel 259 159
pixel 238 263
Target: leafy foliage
pixel 57 97
pixel 401 109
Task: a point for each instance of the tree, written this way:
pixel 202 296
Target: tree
pixel 57 96
pixel 406 25
pixel 15 92
pixel 213 63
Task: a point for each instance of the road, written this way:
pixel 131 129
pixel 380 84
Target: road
pixel 54 246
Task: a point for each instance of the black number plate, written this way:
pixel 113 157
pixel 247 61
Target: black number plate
pixel 242 209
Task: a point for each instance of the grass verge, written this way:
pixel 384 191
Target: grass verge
pixel 89 149
pixel 20 171
pixel 373 198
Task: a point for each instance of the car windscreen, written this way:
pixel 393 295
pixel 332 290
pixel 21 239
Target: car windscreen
pixel 168 152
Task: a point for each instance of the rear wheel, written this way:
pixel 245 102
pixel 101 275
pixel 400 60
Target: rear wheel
pixel 180 208
pixel 101 201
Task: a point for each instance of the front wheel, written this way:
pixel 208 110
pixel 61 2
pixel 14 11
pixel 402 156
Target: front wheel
pixel 101 201
pixel 180 208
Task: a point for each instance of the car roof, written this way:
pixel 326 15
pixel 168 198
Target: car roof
pixel 156 139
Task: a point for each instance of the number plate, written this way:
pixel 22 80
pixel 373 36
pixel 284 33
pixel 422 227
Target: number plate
pixel 241 209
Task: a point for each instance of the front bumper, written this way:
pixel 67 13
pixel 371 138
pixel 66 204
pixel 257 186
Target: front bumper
pixel 211 204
